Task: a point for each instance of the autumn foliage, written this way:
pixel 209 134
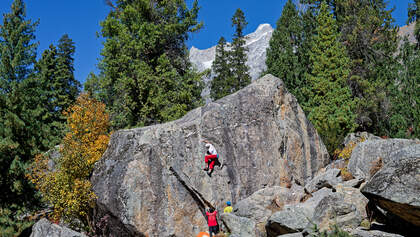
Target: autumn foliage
pixel 66 186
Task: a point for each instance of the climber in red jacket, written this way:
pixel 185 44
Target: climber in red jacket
pixel 211 158
pixel 212 221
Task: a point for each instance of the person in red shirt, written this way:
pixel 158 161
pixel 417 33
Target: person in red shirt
pixel 212 221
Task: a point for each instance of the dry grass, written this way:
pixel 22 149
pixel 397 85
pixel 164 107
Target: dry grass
pixel 275 205
pixel 376 166
pixel 345 174
pixel 221 235
pixel 306 197
pixel 285 182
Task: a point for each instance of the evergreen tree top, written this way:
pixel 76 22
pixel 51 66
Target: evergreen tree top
pixel 18 52
pixel 239 22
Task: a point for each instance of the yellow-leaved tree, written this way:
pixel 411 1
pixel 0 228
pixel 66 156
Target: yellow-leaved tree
pixel 66 186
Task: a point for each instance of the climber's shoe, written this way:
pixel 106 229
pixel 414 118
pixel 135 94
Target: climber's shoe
pixel 206 169
pixel 209 174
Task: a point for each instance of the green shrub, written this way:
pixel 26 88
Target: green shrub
pixel 335 232
pixel 11 224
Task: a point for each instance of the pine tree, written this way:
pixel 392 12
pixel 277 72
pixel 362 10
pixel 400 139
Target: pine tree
pixel 283 57
pixel 22 133
pixel 55 75
pixel 405 117
pixel 222 81
pixel 309 25
pixel 371 38
pixel 66 86
pixel 368 31
pixel 238 56
pixel 330 106
pixel 229 66
pixel 146 76
pixel 45 70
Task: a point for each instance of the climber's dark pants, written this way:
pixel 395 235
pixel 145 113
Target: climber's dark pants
pixel 213 229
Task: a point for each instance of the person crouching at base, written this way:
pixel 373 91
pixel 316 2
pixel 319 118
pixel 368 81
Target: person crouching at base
pixel 229 207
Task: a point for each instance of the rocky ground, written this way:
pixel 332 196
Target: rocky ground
pixel 276 171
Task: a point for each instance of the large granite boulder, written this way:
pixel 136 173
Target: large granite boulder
pixel 372 153
pixel 150 180
pixel 44 228
pixel 396 187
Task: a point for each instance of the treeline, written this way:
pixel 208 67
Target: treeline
pixel 342 61
pixel 145 78
pixel 33 95
pixel 145 75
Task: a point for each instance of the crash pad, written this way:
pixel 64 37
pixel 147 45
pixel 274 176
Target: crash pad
pixel 203 234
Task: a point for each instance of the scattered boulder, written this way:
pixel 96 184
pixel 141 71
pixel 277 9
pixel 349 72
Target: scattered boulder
pixel 333 209
pixel 292 219
pixel 263 203
pixel 240 226
pixel 150 179
pixel 295 218
pixel 359 232
pixel 359 137
pixel 374 152
pixel 345 208
pixel 396 187
pixel 328 179
pixel 336 164
pixel 292 235
pixel 353 183
pixel 44 228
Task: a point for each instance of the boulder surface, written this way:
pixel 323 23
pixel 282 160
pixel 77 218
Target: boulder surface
pixel 150 180
pixel 396 187
pixel 44 228
pixel 367 154
pixel 263 203
pixel 345 207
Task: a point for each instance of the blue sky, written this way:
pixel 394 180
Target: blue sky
pixel 80 20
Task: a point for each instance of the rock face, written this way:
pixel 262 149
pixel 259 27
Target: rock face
pixel 150 180
pixel 256 43
pixel 44 228
pixel 366 154
pixel 396 187
pixel 408 31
